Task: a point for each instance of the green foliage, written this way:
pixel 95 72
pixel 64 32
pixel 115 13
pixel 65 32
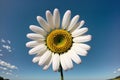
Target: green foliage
pixel 1 78
pixel 116 78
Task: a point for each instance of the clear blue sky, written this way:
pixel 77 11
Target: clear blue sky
pixel 102 17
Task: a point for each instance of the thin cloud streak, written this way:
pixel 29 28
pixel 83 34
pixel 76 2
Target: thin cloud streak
pixel 8 65
pixel 5 45
pixel 117 71
pixel 1 54
pixel 3 41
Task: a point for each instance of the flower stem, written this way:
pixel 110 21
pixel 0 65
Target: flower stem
pixel 61 73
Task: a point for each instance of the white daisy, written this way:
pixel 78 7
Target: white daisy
pixel 58 44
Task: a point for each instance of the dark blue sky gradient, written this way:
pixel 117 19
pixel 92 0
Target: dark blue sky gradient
pixel 102 17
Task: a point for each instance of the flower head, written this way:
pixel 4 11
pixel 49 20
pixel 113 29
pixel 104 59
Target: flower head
pixel 58 44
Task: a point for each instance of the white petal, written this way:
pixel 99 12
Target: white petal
pixel 73 22
pixel 63 64
pixel 81 24
pixel 43 23
pixel 44 57
pixel 38 30
pixel 68 61
pixel 49 63
pixel 79 32
pixel 74 27
pixel 79 50
pixel 56 62
pixel 56 18
pixel 36 59
pixel 49 18
pixel 74 57
pixel 85 38
pixel 84 46
pixel 66 19
pixel 35 36
pixel 33 43
pixel 40 40
pixel 48 60
pixel 37 49
pixel 42 51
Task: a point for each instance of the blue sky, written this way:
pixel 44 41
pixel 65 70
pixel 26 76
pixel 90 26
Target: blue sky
pixel 102 17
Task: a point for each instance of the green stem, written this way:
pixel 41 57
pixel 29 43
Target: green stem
pixel 61 73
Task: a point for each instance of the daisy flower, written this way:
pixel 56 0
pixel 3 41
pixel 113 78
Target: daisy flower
pixel 58 42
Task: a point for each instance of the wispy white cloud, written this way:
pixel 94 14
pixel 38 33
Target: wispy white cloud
pixel 3 41
pixel 10 50
pixel 9 41
pixel 8 65
pixel 1 54
pixel 117 70
pixel 114 72
pixel 8 73
pixel 5 45
pixel 3 72
pixel 6 68
pixel 3 68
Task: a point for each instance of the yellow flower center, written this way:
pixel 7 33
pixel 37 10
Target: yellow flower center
pixel 59 41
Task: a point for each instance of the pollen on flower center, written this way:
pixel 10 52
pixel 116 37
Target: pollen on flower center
pixel 59 41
